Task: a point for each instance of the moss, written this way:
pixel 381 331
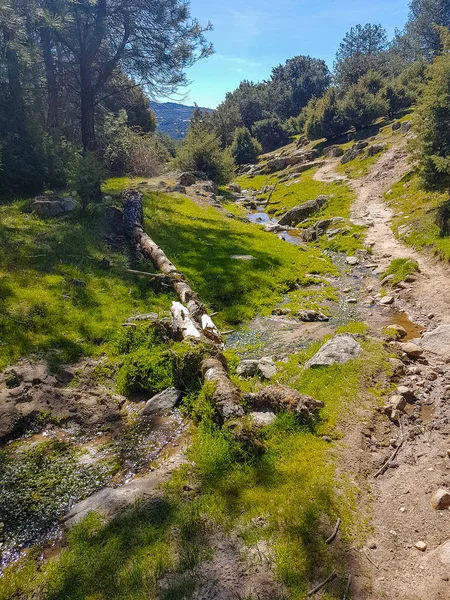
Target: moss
pixel 400 268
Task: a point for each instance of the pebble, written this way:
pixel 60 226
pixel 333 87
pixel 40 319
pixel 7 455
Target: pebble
pixel 352 300
pixel 352 260
pixel 387 300
pixel 440 499
pixel 422 546
pixel 372 546
pixel 402 509
pixel 430 316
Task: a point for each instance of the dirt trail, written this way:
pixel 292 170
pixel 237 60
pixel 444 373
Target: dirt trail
pixel 431 292
pixel 389 565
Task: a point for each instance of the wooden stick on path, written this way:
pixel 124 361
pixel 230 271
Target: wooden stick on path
pixel 322 584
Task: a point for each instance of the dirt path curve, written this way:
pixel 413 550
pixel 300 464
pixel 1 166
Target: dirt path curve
pixel 390 566
pixel 431 292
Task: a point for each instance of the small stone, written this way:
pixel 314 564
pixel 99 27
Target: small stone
pixel 372 546
pixel 397 402
pixel 352 260
pixel 387 279
pixel 352 300
pixel 402 509
pixel 411 349
pixel 440 499
pixel 386 300
pixel 347 290
pixel 421 546
pixel 430 316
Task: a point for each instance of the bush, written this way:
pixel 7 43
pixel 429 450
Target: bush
pixel 87 175
pixel 360 108
pixel 131 151
pixel 324 118
pixel 201 151
pixel 270 133
pixel 245 148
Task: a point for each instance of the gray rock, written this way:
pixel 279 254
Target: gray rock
pixel 411 349
pixel 397 402
pixel 247 368
pixel 350 155
pixel 186 179
pixel 396 126
pixel 48 207
pixel 234 187
pixel 387 300
pixel 375 149
pixel 262 419
pixel 178 188
pixel 440 500
pixel 303 211
pixel 162 402
pixel 387 279
pixel 339 350
pixel 360 145
pixel 406 126
pixel 352 260
pixel 437 341
pixel 313 233
pixel 266 367
pixel 310 316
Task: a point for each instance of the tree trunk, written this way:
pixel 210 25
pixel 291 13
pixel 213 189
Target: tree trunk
pixel 87 108
pixel 50 73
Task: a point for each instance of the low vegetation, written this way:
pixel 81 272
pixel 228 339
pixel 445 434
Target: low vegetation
pixel 399 269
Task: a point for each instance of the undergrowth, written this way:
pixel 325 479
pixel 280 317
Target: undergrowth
pixel 400 268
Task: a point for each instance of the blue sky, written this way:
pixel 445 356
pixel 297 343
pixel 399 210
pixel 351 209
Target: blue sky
pixel 252 36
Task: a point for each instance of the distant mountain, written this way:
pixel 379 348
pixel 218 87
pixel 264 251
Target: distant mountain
pixel 173 118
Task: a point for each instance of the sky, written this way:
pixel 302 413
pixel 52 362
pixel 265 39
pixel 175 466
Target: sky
pixel 251 37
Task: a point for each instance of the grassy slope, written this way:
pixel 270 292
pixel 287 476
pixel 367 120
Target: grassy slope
pixel 415 210
pixel 201 242
pixel 54 297
pixel 292 486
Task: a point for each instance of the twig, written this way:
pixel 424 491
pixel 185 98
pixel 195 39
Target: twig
pixel 227 332
pixel 270 195
pixel 347 587
pixel 213 314
pixel 385 465
pixel 370 560
pixel 334 534
pixel 321 585
pixel 145 274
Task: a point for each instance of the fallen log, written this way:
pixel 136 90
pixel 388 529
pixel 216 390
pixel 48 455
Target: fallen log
pixel 133 221
pixel 227 395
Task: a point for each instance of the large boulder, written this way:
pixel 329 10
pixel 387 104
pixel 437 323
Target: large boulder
pixel 303 211
pixel 276 164
pixel 437 341
pixel 350 155
pixel 186 179
pixel 163 402
pixel 52 206
pixel 375 149
pixel 337 351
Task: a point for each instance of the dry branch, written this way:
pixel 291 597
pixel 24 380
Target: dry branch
pixel 385 465
pixel 322 584
pixel 334 534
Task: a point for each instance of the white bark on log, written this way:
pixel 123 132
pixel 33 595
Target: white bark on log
pixel 183 322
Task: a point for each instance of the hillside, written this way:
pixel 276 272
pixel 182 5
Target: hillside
pixel 173 118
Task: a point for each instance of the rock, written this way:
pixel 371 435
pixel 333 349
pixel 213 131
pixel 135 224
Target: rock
pixel 303 211
pixel 375 149
pixel 314 232
pixel 351 300
pixel 437 341
pixel 411 349
pixel 242 256
pixel 282 397
pixel 405 126
pixel 352 260
pixel 386 300
pixel 407 393
pixel 396 126
pixel 387 279
pixel 340 349
pixel 262 419
pixel 266 367
pixel 422 546
pixel 337 152
pixel 440 500
pixel 276 164
pixel 397 402
pixel 186 179
pixel 396 332
pixel 48 207
pixel 350 155
pixel 310 316
pixel 234 187
pixel 178 188
pixel 163 402
pixel 247 368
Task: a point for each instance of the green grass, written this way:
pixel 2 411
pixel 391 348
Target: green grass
pixel 400 268
pixel 360 166
pixel 415 212
pixel 202 242
pixel 54 296
pixel 284 476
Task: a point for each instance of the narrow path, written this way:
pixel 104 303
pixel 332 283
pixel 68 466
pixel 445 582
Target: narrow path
pixel 431 292
pixel 389 565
